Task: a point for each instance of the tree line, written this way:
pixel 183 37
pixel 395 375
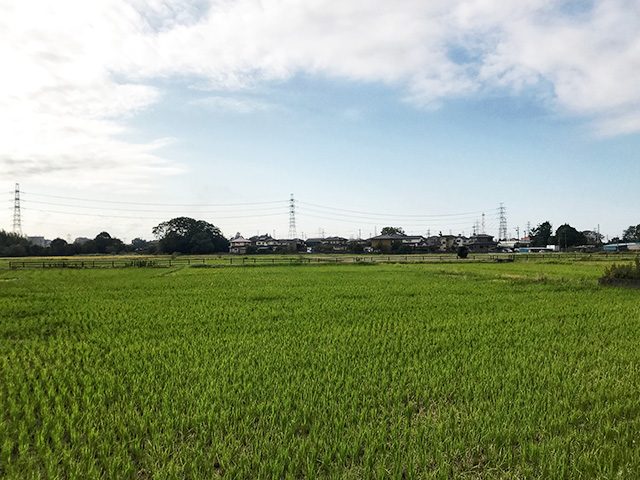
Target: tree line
pixel 567 236
pixel 179 235
pixel 186 235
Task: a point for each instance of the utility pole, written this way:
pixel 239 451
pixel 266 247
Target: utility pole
pixel 17 220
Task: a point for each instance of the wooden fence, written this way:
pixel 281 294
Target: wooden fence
pixel 230 260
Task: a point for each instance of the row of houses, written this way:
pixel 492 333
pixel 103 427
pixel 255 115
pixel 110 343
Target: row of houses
pixel 393 243
pixel 265 244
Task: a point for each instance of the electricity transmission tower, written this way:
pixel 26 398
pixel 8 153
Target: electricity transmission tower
pixel 17 221
pixel 502 231
pixel 292 217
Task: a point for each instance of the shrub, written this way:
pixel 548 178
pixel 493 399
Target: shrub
pixel 143 263
pixel 626 273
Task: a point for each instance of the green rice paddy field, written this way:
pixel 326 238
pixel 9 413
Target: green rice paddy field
pixel 521 370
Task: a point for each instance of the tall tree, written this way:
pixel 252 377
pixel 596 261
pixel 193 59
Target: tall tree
pixel 631 234
pixel 58 246
pixel 567 236
pixel 13 245
pixel 187 235
pixel 139 245
pixel 392 231
pixel 541 234
pixel 101 242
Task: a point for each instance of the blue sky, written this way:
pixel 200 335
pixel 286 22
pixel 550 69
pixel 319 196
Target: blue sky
pixel 350 108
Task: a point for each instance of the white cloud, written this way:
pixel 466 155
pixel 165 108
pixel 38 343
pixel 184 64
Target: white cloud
pixel 62 110
pixel 75 70
pixel 242 105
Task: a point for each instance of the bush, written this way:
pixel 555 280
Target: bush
pixel 626 273
pixel 143 263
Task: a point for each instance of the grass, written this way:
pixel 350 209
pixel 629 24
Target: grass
pixel 625 274
pixel 521 370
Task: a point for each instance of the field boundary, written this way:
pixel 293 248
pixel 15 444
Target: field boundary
pixel 245 261
pixel 257 260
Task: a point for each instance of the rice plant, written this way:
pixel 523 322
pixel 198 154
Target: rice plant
pixel 522 370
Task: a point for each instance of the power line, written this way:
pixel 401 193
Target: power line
pixel 156 204
pixel 91 207
pixel 307 211
pixel 144 218
pixel 364 222
pixel 391 214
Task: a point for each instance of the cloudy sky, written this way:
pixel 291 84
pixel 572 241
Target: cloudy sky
pixel 118 114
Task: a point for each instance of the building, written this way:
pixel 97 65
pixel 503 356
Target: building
pixel 482 243
pixel 268 244
pixel 513 245
pixel 621 247
pixel 39 241
pixel 460 241
pixel 263 243
pixel 313 243
pixel 397 242
pixel 239 245
pixel 327 245
pixel 447 243
pixel 289 245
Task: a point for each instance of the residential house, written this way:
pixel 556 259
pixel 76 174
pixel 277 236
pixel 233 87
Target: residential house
pixel 397 242
pixel 239 245
pixel 328 244
pixel 447 243
pixel 460 241
pixel 263 243
pixel 482 243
